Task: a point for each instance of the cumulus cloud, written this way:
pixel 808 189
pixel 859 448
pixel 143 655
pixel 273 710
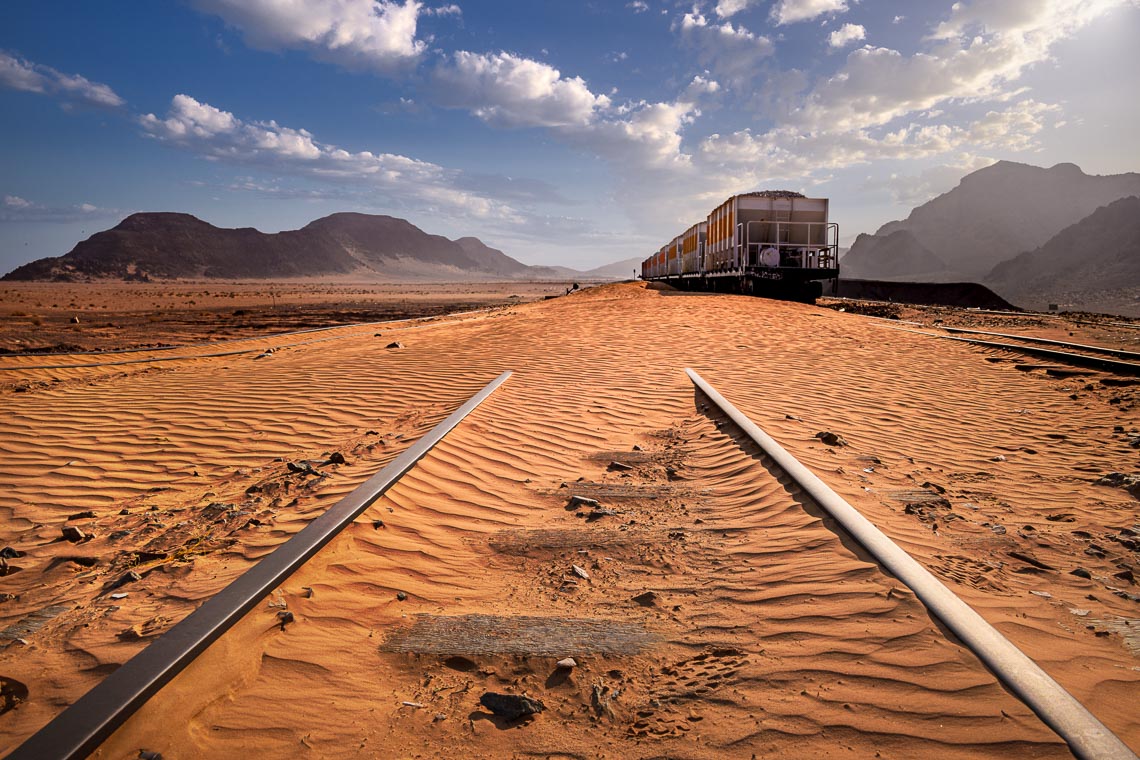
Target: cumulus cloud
pixel 726 8
pixel 731 53
pixel 511 91
pixel 13 208
pixel 20 74
pixel 638 6
pixel 978 53
pixel 218 135
pixel 367 34
pixel 846 34
pixel 444 10
pixel 791 11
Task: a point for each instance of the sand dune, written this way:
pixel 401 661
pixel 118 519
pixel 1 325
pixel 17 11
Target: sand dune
pixel 769 634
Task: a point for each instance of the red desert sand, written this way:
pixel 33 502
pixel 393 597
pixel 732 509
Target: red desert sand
pixel 710 608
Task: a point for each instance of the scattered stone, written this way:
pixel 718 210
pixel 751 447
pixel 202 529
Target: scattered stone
pixel 9 553
pixel 619 467
pixel 377 524
pixel 395 344
pixel 582 501
pixel 934 487
pixel 401 595
pixel 1042 594
pixel 1080 572
pixel 336 458
pixel 438 717
pixel 308 591
pixel 304 468
pixel 1130 483
pixel 73 534
pixel 128 577
pixel 998 458
pixel 75 320
pixel 88 515
pixel 647 599
pixel 567 663
pixel 580 572
pixel 998 529
pixel 1125 575
pixel 1061 517
pixel 597 514
pixel 1080 613
pixel 120 595
pixel 511 706
pixel 831 439
pixel 285 617
pixel 406 703
pixel 146 754
pixel 1027 559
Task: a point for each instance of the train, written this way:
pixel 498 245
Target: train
pixel 774 243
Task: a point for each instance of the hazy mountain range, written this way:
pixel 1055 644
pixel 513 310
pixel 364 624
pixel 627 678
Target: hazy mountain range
pixel 1034 235
pixel 170 245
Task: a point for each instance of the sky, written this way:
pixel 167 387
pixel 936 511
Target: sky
pixel 562 132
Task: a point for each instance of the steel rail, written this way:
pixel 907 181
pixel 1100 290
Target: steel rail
pixel 1076 360
pixel 82 727
pixel 1086 736
pixel 1119 353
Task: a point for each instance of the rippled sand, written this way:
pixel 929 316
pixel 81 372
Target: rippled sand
pixel 770 633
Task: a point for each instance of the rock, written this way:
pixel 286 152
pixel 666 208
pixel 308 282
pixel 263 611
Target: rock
pixel 377 524
pixel 1061 517
pixel 285 617
pixel 511 706
pixel 128 577
pixel 336 458
pixel 580 572
pixel 304 468
pixel 831 439
pixel 619 467
pixel 146 754
pixel 1080 572
pixel 75 320
pixel 1130 483
pixel 597 514
pixel 567 663
pixel 9 553
pixel 581 501
pixel 88 515
pixel 1031 561
pixel 73 534
pixel 998 529
pixel 998 458
pixel 1125 575
pixel 646 599
pixel 401 596
pixel 395 344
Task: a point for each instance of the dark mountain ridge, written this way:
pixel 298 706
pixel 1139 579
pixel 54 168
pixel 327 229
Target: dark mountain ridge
pixel 992 215
pixel 166 245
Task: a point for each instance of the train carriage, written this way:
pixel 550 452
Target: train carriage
pixel 776 243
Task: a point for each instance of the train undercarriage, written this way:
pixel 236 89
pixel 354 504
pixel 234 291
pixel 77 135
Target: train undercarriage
pixel 782 283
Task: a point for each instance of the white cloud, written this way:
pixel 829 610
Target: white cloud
pixel 372 34
pixel 726 8
pixel 444 10
pixel 977 54
pixel 19 74
pixel 17 209
pixel 898 19
pixel 791 11
pixel 511 91
pixel 220 136
pixel 638 6
pixel 730 52
pixel 846 34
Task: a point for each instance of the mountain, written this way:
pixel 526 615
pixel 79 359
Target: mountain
pixel 619 270
pixel 992 215
pixel 897 256
pixel 1093 263
pixel 171 245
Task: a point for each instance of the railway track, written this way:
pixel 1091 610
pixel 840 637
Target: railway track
pixel 1085 360
pixel 81 728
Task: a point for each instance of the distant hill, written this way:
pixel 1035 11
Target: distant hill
pixel 171 245
pixel 992 215
pixel 897 256
pixel 1093 264
pixel 619 270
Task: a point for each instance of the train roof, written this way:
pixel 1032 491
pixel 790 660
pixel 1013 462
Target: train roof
pixel 771 194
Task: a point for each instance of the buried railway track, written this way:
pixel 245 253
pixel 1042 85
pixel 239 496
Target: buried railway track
pixel 81 728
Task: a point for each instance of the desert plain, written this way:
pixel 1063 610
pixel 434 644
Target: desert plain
pixel 711 608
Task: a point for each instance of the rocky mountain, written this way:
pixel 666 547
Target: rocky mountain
pixel 898 253
pixel 171 245
pixel 1093 264
pixel 992 215
pixel 619 270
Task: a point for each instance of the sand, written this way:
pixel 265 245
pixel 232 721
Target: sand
pixel 769 632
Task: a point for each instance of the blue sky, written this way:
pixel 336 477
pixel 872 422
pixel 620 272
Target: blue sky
pixel 561 132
